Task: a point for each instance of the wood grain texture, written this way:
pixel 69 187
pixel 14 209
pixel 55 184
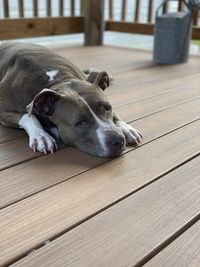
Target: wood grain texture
pixel 182 252
pixel 93 22
pixel 145 93
pixel 43 198
pixel 93 19
pixel 18 185
pixel 142 28
pixel 195 18
pixel 165 7
pixel 50 212
pixel 21 8
pixel 196 32
pixel 139 92
pixel 16 151
pixel 181 5
pixel 133 111
pixel 150 11
pixel 48 6
pixel 123 10
pixel 82 7
pixel 110 9
pixel 122 26
pixel 137 10
pixel 5 9
pixel 39 27
pixel 126 62
pixel 7 134
pixel 72 7
pixel 35 8
pixel 122 235
pixel 61 8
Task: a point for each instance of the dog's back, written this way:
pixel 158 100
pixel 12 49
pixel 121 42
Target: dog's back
pixel 29 69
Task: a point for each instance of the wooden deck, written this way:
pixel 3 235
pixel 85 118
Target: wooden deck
pixel 72 209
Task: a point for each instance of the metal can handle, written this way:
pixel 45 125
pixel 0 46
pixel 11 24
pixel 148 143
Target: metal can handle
pixel 165 1
pixel 193 5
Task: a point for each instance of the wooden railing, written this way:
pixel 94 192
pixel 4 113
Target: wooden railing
pixel 75 16
pixel 22 26
pixel 140 19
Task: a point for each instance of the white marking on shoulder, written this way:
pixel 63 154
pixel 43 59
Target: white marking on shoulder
pixel 51 74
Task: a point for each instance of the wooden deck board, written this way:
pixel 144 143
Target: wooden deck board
pixel 16 187
pixel 42 198
pixel 88 193
pixel 123 234
pixel 183 252
pixel 20 152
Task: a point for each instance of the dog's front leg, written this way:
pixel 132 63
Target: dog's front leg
pixel 38 139
pixel 132 135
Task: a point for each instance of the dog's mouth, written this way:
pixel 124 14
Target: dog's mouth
pixel 112 154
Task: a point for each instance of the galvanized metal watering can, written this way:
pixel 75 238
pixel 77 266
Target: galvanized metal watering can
pixel 172 33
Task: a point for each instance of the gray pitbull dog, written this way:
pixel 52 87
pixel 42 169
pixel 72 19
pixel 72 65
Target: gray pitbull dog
pixel 48 97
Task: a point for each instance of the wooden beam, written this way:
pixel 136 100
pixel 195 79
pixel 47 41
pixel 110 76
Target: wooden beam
pixel 72 8
pixel 165 7
pixel 48 8
pixel 35 8
pixel 123 12
pixel 61 8
pixel 5 9
pixel 180 5
pixel 142 28
pixel 110 9
pixel 21 8
pixel 150 11
pixel 120 26
pixel 195 18
pixel 94 22
pixel 81 7
pixel 39 27
pixel 196 33
pixel 137 10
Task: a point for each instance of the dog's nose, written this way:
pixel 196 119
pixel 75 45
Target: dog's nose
pixel 117 142
pixel 116 145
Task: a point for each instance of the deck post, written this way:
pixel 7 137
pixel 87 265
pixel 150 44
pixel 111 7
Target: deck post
pixel 94 22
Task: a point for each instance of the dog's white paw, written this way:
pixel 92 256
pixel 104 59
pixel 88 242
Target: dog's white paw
pixel 41 141
pixel 132 135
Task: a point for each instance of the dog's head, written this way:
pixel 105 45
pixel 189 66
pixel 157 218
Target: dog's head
pixel 81 112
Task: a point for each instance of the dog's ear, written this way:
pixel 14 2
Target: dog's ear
pixel 44 103
pixel 99 78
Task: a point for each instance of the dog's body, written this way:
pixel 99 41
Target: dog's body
pixel 37 85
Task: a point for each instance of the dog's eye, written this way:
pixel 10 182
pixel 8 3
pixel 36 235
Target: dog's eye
pixel 104 107
pixel 82 123
pixel 107 107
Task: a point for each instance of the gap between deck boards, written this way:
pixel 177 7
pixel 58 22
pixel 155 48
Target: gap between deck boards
pixel 186 244
pixel 151 106
pixel 177 117
pixel 96 242
pixel 119 190
pixel 24 216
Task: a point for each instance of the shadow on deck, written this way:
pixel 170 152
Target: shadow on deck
pixel 72 209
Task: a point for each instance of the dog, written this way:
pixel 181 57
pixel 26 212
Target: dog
pixel 51 98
